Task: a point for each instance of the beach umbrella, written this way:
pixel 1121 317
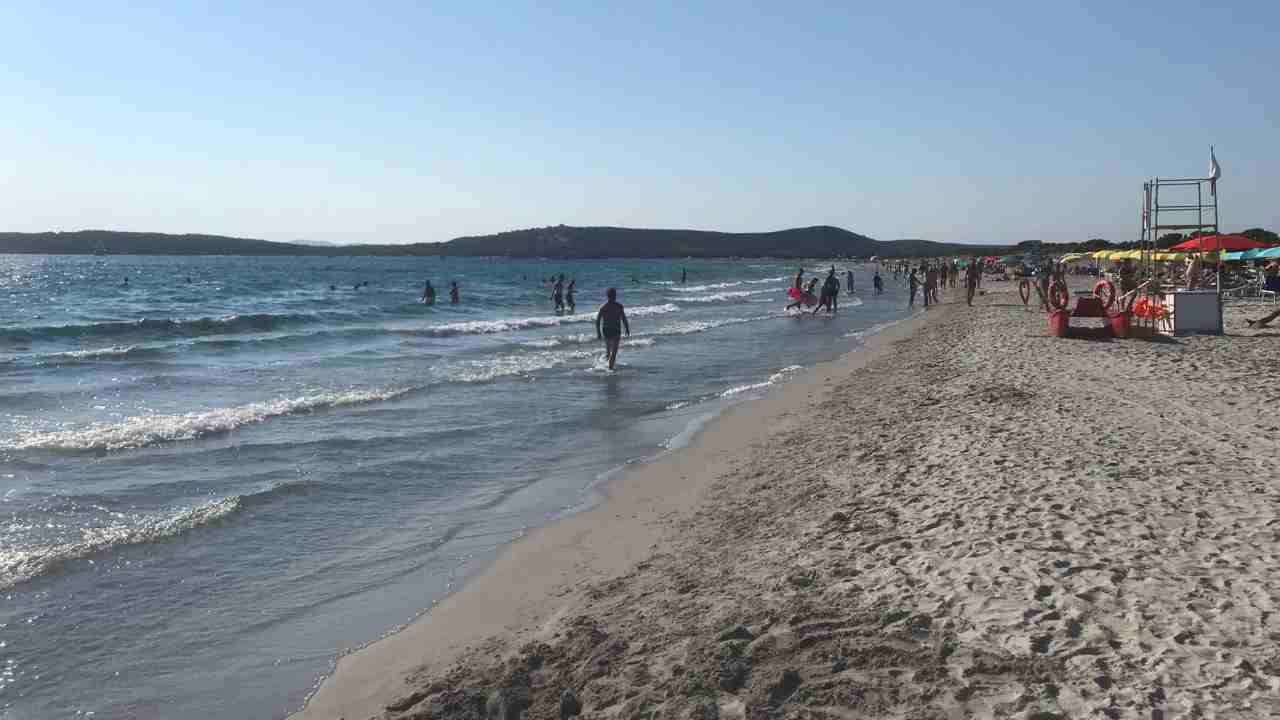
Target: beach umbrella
pixel 1212 243
pixel 1232 256
pixel 1101 254
pixel 1270 254
pixel 1170 257
pixel 1072 257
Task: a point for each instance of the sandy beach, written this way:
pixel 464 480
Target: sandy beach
pixel 965 518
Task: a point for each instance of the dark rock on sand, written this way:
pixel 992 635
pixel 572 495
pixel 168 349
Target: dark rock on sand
pixel 507 703
pixel 739 632
pixel 733 674
pixel 570 706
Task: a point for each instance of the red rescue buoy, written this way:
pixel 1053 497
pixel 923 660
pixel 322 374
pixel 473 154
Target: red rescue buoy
pixel 1106 291
pixel 1059 297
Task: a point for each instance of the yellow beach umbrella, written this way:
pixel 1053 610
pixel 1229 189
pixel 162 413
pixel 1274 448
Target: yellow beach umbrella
pixel 1072 257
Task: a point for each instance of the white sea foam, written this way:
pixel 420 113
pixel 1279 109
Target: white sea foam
pixel 780 278
pixel 500 366
pixel 20 565
pixel 115 351
pixel 773 380
pixel 704 288
pixel 145 430
pixel 489 327
pixel 730 295
pixel 682 327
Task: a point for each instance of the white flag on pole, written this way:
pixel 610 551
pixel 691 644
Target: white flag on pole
pixel 1215 172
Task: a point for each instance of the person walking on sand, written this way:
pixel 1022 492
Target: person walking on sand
pixel 971 272
pixel 611 320
pixel 913 283
pixel 429 294
pixel 454 295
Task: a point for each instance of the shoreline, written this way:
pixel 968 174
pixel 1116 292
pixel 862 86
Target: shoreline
pixel 970 519
pixel 532 580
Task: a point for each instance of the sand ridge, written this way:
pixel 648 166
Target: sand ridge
pixel 981 521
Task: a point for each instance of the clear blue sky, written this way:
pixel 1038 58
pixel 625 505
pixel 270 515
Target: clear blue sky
pixel 399 123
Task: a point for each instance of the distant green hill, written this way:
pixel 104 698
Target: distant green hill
pixel 560 241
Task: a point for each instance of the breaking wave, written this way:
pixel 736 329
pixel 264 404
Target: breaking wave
pixel 773 380
pixel 123 529
pixel 488 327
pixel 148 430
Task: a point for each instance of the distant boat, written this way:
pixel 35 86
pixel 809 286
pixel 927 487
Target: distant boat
pixel 100 249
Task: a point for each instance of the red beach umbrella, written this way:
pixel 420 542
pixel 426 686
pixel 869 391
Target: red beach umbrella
pixel 1214 243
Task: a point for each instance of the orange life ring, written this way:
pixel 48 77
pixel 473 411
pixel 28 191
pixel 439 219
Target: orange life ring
pixel 1059 297
pixel 1106 290
pixel 1024 289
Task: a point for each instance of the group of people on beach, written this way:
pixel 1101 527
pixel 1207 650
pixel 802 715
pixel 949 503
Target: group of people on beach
pixel 806 293
pixel 562 295
pixel 429 293
pixel 933 276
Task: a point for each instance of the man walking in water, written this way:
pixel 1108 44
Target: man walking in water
pixel 849 278
pixel 429 294
pixel 453 292
pixel 557 294
pixel 684 276
pixel 610 322
pixel 877 283
pixel 914 284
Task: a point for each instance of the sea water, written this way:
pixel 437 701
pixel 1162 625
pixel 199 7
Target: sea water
pixel 220 475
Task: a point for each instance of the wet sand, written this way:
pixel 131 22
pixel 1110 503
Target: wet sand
pixel 967 518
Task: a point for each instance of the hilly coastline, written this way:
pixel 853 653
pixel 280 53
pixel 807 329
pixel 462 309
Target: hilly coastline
pixel 561 241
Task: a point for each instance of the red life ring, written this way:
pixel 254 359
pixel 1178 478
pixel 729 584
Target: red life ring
pixel 1024 289
pixel 1059 297
pixel 1105 290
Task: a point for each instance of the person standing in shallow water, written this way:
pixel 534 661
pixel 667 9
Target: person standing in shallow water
pixel 557 294
pixel 611 320
pixel 849 278
pixel 914 283
pixel 454 294
pixel 568 297
pixel 684 276
pixel 429 294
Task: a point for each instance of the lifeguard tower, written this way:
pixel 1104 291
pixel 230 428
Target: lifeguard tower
pixel 1188 206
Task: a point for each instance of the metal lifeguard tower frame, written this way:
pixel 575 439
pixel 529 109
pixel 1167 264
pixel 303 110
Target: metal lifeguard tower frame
pixel 1177 212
